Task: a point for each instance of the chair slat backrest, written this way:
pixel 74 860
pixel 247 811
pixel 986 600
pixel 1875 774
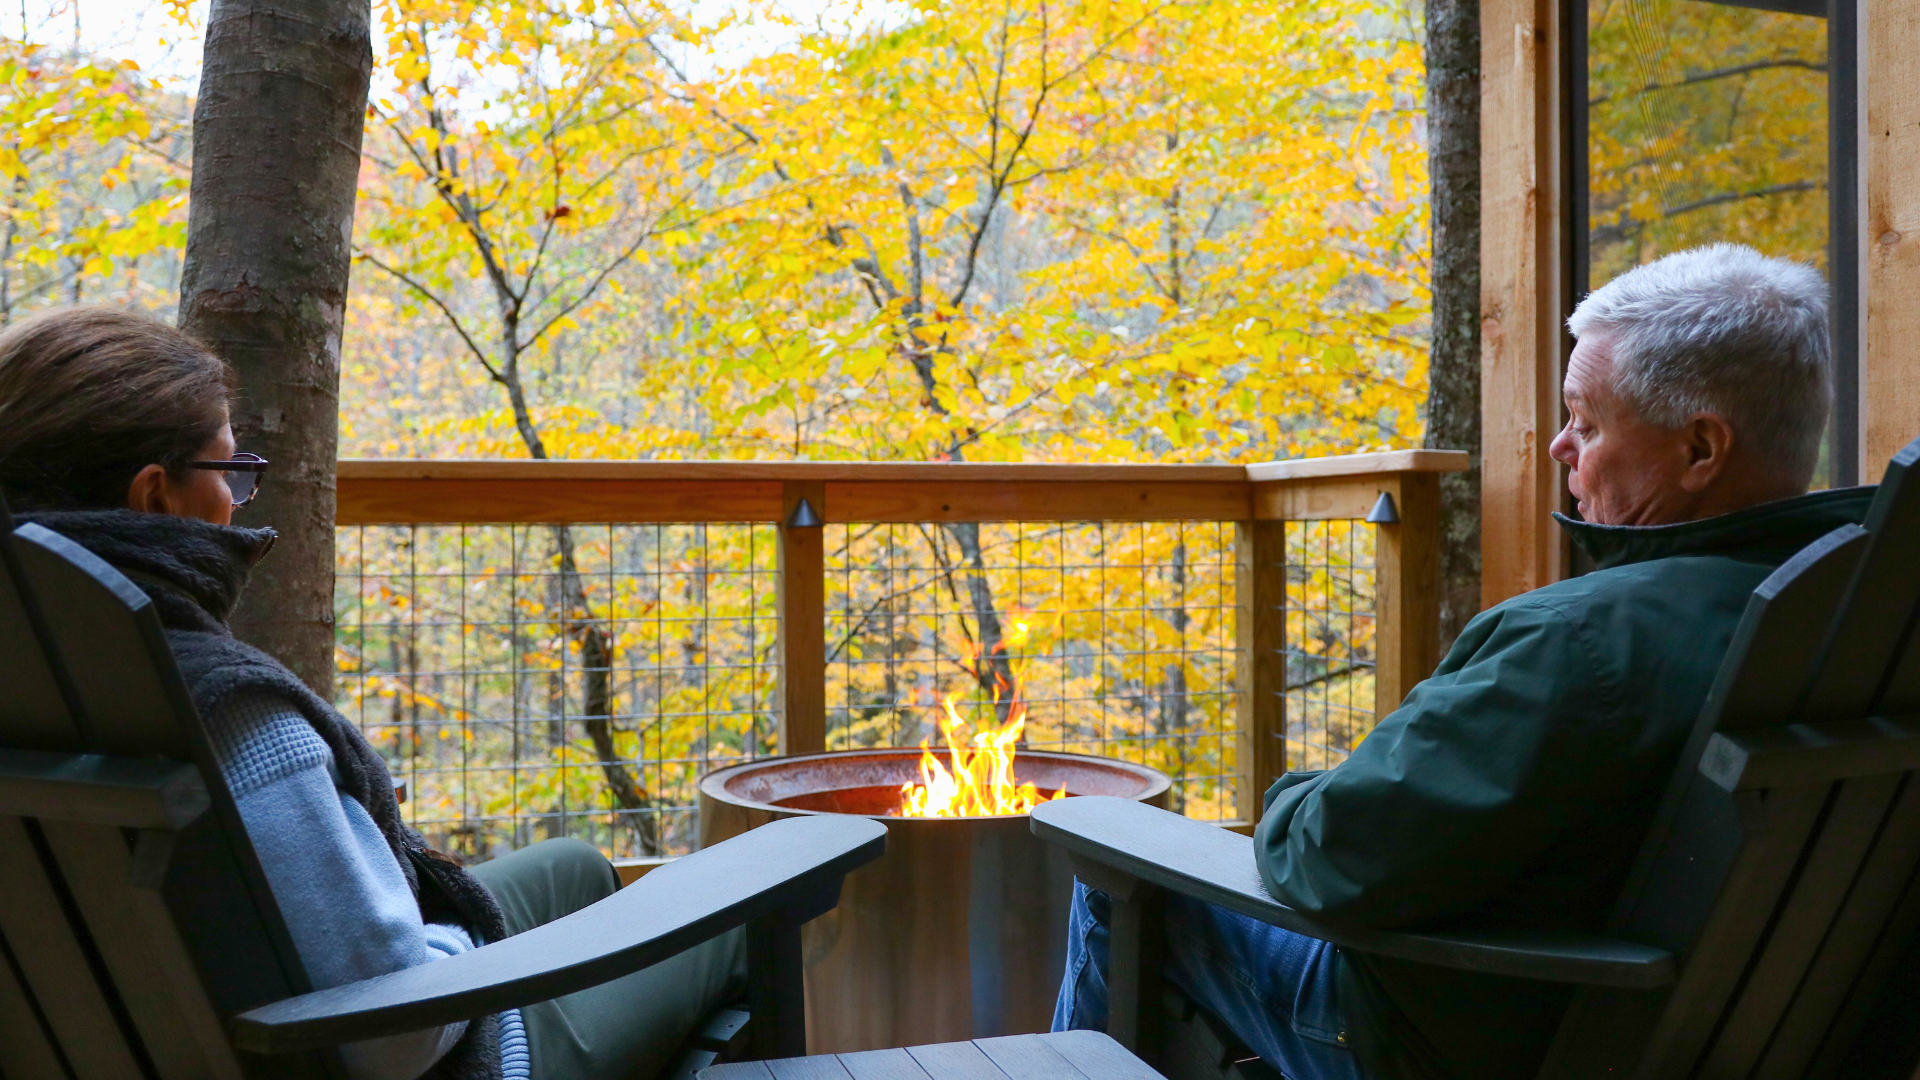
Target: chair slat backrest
pixel 1861 651
pixel 34 712
pixel 1789 899
pixel 124 949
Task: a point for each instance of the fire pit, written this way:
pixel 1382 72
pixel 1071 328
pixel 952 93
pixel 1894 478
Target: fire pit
pixel 960 931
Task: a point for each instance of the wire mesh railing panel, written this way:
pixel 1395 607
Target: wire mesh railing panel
pixel 1330 622
pixel 1116 637
pixel 535 681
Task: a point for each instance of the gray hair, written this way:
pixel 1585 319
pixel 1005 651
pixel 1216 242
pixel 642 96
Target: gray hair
pixel 1722 329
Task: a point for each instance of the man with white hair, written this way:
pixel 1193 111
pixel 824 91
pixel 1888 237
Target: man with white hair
pixel 1514 787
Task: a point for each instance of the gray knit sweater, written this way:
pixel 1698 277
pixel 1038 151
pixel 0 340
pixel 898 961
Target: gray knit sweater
pixel 361 892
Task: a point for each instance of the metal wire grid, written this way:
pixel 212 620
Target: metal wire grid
pixel 1129 649
pixel 466 655
pixel 1329 640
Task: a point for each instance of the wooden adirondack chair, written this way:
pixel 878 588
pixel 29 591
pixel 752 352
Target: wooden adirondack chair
pixel 139 939
pixel 1776 890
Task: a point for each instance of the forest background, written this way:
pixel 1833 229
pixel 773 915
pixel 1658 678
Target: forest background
pixel 1097 230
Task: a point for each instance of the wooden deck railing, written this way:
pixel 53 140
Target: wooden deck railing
pixel 1400 489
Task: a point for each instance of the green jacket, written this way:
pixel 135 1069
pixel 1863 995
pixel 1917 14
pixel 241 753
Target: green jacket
pixel 1513 788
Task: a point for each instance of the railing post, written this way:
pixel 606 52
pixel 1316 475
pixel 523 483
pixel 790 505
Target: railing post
pixel 1260 627
pixel 802 628
pixel 1406 559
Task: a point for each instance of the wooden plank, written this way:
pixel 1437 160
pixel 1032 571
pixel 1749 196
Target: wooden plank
pixel 739 1070
pixel 113 648
pixel 460 500
pixel 33 711
pixel 1137 953
pixel 882 1065
pixel 1329 499
pixel 1770 661
pixel 803 623
pixel 1777 830
pixel 134 793
pixel 1862 647
pixel 26 1048
pixel 823 1067
pixel 1863 998
pixel 1522 245
pixel 1860 924
pixel 1387 461
pixel 55 964
pixel 956 1061
pixel 356 470
pixel 1026 500
pixel 1029 1057
pixel 1811 753
pixel 776 988
pixel 1406 558
pixel 134 933
pixel 1889 372
pixel 1098 1055
pixel 1260 629
pixel 1834 857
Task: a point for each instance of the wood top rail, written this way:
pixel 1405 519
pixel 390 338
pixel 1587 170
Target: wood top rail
pixel 399 492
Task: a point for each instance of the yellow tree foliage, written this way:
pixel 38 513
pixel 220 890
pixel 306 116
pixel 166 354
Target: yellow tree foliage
pixel 92 177
pixel 1708 122
pixel 1125 229
pixel 1097 229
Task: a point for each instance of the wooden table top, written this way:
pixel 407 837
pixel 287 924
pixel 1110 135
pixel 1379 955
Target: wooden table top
pixel 1063 1055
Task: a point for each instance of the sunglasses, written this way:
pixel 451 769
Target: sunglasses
pixel 242 475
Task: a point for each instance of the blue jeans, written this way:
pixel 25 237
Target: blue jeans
pixel 1272 987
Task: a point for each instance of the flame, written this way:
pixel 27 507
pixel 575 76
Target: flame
pixel 980 782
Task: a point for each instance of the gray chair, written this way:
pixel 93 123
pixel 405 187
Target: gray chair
pixel 1773 898
pixel 139 939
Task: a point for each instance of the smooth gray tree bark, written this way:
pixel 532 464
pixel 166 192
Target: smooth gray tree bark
pixel 1453 395
pixel 276 162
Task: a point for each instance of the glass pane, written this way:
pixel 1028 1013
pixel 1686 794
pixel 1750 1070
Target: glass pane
pixel 1705 122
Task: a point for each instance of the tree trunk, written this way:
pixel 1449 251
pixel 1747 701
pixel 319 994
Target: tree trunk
pixel 1453 396
pixel 276 163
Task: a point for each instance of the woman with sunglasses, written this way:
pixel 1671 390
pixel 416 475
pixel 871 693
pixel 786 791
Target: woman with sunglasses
pixel 114 432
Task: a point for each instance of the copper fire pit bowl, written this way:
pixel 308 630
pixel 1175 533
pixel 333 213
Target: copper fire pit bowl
pixel 959 932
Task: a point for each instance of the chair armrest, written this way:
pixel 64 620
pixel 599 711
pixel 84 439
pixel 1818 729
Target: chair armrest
pixel 1209 863
pixel 790 868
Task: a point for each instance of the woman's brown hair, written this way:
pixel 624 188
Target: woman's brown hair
pixel 89 396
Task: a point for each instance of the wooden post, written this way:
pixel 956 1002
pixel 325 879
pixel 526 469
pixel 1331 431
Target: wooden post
pixel 803 601
pixel 1260 626
pixel 1890 365
pixel 1406 583
pixel 1136 953
pixel 776 987
pixel 1523 250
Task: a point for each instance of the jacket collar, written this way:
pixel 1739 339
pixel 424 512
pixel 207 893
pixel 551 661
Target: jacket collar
pixel 1770 532
pixel 206 563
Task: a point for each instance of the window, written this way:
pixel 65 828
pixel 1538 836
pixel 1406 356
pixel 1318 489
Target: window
pixel 1703 121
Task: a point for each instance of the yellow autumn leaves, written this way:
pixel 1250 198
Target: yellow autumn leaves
pixel 1102 229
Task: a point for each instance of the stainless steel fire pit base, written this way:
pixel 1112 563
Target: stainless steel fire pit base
pixel 960 931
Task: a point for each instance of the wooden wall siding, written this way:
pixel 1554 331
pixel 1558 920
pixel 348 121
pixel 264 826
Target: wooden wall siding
pixel 1890 365
pixel 1522 249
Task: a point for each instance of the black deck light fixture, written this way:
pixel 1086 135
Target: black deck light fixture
pixel 1384 512
pixel 804 516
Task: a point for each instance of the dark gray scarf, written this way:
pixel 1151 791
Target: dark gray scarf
pixel 194 571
